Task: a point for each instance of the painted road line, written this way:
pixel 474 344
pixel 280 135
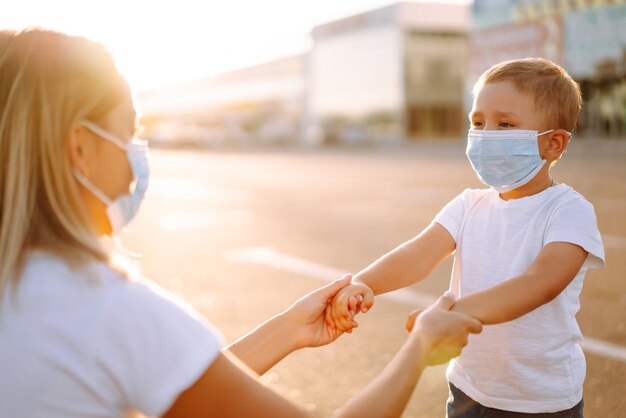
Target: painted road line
pixel 269 257
pixel 183 189
pixel 193 220
pixel 272 258
pixel 603 348
pixel 614 241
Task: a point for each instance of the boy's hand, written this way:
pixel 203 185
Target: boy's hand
pixel 352 299
pixel 308 315
pixel 410 320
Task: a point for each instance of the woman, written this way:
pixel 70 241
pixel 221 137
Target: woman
pixel 78 336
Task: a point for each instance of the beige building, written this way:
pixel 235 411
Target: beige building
pixel 390 74
pixel 256 105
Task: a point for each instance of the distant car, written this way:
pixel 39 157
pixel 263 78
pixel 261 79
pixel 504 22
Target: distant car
pixel 176 135
pixel 353 135
pixel 277 131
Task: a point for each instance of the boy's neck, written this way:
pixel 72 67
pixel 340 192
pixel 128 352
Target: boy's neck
pixel 538 184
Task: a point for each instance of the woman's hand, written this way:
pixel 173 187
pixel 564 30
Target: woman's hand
pixel 307 315
pixel 443 333
pixel 302 325
pixel 352 299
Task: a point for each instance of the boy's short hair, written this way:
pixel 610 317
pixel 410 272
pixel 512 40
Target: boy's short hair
pixel 555 93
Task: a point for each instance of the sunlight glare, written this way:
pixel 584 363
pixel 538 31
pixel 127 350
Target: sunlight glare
pixel 158 43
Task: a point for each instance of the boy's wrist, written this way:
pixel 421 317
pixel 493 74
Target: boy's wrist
pixel 359 282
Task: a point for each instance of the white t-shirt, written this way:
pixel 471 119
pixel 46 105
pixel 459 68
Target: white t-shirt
pixel 532 364
pixel 90 343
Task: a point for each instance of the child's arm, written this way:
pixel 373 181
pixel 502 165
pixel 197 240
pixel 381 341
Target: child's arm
pixel 409 263
pixel 554 268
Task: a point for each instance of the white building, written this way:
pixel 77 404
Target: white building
pixel 393 73
pixel 390 74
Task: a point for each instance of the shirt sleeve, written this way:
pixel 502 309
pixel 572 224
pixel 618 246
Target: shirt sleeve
pixel 575 222
pixel 451 216
pixel 154 346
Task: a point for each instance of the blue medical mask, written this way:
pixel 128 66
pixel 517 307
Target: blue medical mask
pixel 505 159
pixel 123 209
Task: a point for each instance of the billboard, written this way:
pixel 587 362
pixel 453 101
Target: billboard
pixel 586 37
pixel 543 38
pixel 595 39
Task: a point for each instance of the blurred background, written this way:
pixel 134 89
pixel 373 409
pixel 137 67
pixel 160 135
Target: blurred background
pixel 294 141
pixel 400 72
pixel 357 72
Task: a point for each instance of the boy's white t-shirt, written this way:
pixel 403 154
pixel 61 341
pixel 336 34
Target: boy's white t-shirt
pixel 535 363
pixel 90 343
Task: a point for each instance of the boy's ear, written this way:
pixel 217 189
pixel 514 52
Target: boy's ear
pixel 556 144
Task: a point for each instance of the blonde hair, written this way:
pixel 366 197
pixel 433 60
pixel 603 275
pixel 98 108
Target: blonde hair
pixel 48 82
pixel 555 93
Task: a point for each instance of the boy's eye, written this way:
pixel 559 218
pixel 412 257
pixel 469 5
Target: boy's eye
pixel 477 124
pixel 506 125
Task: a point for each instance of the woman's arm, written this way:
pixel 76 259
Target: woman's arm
pixel 302 325
pixel 437 336
pixel 229 389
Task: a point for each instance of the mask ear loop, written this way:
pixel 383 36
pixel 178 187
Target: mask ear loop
pixel 116 240
pixel 104 134
pixel 545 132
pixel 92 188
pixel 569 135
pixel 553 130
pixel 125 251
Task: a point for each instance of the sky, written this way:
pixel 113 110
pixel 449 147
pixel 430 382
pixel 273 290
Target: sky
pixel 159 43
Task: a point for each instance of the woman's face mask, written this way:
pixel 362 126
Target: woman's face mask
pixel 123 209
pixel 505 159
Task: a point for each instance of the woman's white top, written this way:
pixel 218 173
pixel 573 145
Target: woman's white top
pixel 89 342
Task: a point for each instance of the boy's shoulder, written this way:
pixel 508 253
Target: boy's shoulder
pixel 566 195
pixel 470 196
pixel 558 195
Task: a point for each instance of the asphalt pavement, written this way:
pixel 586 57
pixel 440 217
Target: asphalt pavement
pixel 243 234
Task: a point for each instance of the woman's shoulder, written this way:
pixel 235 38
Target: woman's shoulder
pixel 147 341
pixel 117 293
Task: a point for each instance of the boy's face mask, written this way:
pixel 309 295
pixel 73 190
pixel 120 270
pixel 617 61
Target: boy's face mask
pixel 123 209
pixel 505 159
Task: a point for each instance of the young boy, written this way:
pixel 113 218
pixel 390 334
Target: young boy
pixel 521 250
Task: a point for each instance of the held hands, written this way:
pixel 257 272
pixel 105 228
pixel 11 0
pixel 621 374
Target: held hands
pixel 441 332
pixel 307 315
pixel 321 316
pixel 352 299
